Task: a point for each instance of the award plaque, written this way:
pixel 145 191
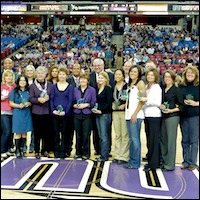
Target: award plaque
pixel 166 106
pixel 124 94
pixel 60 108
pixel 189 97
pixel 24 101
pixel 80 101
pixel 96 106
pixel 116 104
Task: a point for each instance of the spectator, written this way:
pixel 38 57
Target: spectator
pixel 109 56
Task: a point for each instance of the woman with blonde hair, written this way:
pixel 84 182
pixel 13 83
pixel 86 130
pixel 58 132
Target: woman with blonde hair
pixel 103 113
pixel 29 72
pixel 7 85
pixel 189 120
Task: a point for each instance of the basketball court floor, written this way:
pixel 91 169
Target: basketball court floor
pixel 50 178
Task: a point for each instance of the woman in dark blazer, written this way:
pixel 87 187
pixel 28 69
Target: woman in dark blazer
pixel 84 100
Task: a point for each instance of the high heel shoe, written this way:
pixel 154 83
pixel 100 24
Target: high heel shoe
pixel 37 155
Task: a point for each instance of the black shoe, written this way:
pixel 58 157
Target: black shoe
pixel 122 162
pixel 146 168
pixel 96 153
pixel 115 161
pixel 77 156
pixel 67 155
pixel 37 155
pixel 46 154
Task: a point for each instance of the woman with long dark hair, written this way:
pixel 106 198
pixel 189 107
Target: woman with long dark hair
pixel 22 120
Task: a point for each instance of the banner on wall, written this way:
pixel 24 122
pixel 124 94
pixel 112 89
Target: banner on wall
pixel 182 8
pixel 84 7
pixel 152 7
pixel 49 7
pixel 13 8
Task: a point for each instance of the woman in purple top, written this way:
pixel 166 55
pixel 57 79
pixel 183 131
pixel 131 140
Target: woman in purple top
pixel 84 100
pixel 39 97
pixel 61 99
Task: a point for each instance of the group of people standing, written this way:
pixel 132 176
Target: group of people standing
pixel 85 103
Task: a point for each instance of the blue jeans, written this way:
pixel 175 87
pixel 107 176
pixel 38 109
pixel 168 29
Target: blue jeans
pixel 103 125
pixel 6 126
pixel 135 143
pixel 190 140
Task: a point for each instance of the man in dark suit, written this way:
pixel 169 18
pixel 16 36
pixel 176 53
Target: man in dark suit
pixel 74 81
pixel 98 65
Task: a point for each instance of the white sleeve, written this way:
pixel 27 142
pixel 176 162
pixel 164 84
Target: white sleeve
pixel 154 96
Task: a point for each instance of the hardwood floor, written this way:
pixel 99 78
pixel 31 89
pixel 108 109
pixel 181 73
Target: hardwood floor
pixel 94 190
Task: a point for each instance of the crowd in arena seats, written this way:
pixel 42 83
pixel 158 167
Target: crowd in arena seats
pixel 168 48
pixel 14 37
pixel 169 51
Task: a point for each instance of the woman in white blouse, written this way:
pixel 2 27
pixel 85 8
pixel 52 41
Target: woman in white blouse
pixel 134 115
pixel 152 119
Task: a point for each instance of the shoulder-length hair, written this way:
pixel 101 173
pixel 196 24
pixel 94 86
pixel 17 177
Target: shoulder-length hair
pixel 122 71
pixel 172 74
pixel 17 88
pixel 32 67
pixel 155 72
pixel 105 75
pixel 65 70
pixel 195 71
pixel 5 73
